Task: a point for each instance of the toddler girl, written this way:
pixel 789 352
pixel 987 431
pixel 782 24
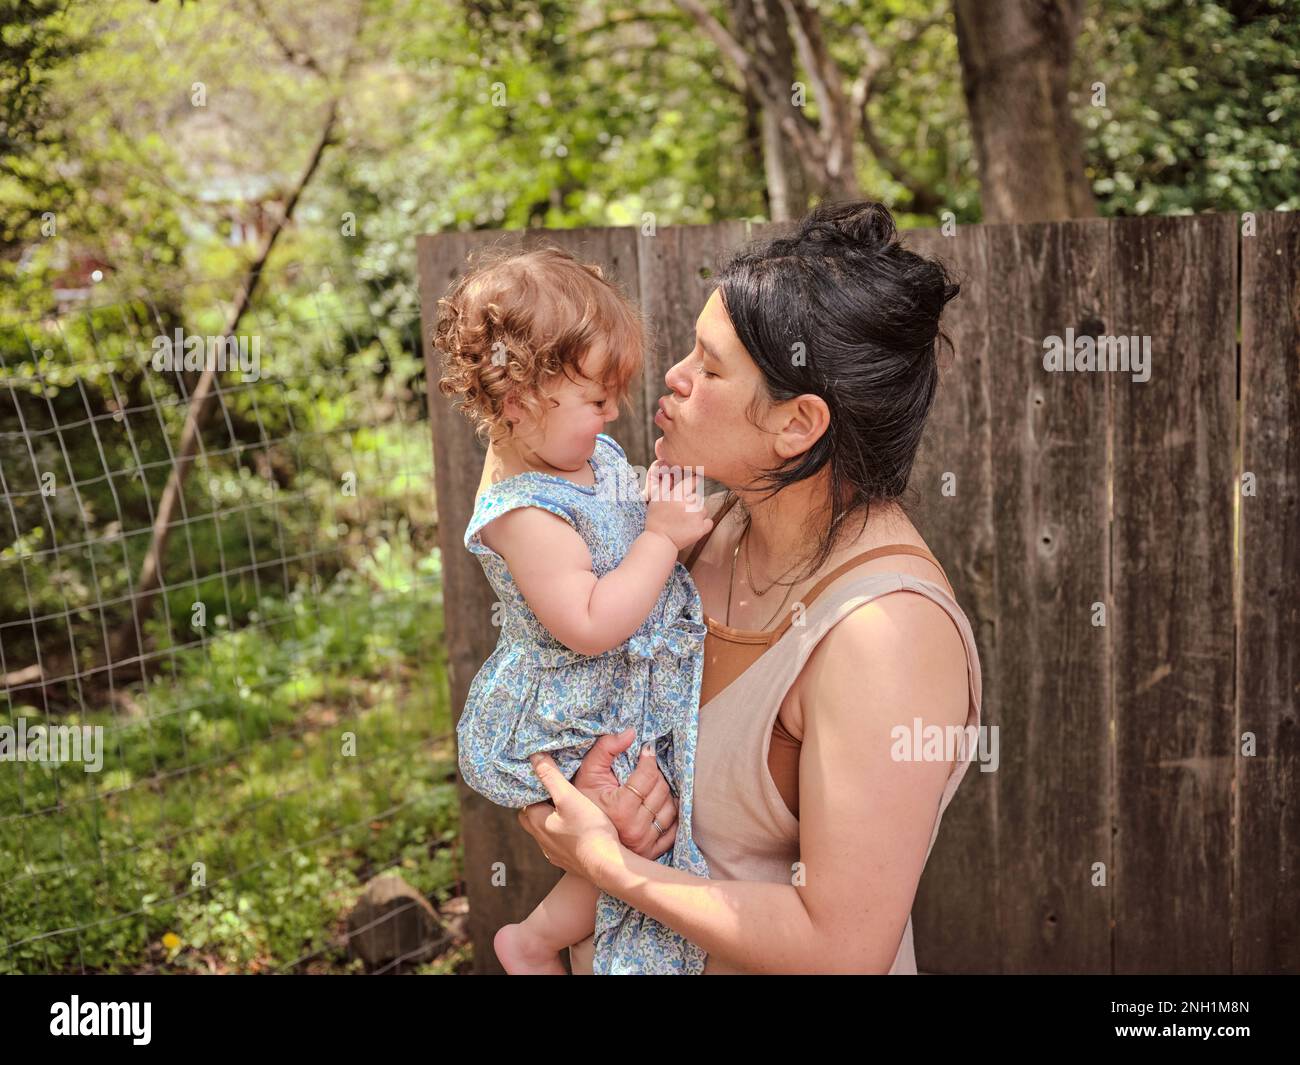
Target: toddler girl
pixel 601 627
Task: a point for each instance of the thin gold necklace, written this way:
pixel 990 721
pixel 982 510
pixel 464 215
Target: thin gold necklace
pixel 731 583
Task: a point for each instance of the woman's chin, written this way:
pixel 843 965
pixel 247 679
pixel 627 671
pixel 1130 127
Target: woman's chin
pixel 667 454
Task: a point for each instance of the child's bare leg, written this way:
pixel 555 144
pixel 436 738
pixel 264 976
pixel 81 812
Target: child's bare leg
pixel 566 916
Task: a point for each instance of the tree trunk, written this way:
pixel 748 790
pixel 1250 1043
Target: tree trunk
pixel 1016 59
pixel 762 22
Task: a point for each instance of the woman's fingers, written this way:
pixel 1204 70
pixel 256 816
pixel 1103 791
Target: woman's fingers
pixel 666 816
pixel 655 842
pixel 656 806
pixel 645 774
pixel 663 844
pixel 653 802
pixel 597 766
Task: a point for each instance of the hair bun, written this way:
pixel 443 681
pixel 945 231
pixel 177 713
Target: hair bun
pixel 863 223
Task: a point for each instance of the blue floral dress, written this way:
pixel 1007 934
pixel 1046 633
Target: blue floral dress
pixel 535 694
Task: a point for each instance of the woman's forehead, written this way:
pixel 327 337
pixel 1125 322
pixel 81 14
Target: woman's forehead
pixel 714 331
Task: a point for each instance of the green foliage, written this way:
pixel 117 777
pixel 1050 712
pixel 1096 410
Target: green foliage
pixel 236 761
pixel 1202 106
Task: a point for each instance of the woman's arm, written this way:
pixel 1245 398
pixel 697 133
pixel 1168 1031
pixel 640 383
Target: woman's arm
pixel 865 822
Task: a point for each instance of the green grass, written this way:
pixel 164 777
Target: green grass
pixel 247 796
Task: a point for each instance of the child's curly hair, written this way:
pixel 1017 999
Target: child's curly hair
pixel 515 320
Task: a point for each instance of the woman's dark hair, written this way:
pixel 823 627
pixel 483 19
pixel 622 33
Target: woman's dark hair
pixel 840 309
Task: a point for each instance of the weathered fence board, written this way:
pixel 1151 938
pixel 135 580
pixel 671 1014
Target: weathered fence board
pixel 1050 523
pixel 1174 280
pixel 952 485
pixel 1266 884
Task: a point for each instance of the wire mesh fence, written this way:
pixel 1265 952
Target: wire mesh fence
pixel 225 710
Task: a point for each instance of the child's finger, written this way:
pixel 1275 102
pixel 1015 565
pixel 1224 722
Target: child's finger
pixel 555 783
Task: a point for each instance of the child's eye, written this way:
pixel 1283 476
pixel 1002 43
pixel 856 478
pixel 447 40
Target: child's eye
pixel 706 372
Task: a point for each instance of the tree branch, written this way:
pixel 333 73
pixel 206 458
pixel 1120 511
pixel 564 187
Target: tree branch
pixel 615 21
pixel 794 123
pixel 924 198
pixel 296 56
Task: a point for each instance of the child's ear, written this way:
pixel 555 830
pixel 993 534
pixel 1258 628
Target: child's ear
pixel 514 410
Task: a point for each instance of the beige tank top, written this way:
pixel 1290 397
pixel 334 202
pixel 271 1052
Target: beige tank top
pixel 742 825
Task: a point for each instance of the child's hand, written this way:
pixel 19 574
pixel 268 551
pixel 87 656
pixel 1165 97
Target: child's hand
pixel 675 504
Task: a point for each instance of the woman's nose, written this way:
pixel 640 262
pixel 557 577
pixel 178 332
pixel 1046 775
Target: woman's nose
pixel 676 377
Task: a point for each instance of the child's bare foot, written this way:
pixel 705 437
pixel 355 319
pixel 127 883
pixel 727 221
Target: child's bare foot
pixel 522 954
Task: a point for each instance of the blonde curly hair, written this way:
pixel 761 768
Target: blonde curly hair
pixel 515 320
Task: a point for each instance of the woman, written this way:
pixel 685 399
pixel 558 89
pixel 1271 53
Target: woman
pixel 805 395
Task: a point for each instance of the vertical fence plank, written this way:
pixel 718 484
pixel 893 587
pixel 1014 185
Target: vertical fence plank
pixel 1266 895
pixel 677 267
pixel 489 834
pixel 952 486
pixel 1174 280
pixel 1052 568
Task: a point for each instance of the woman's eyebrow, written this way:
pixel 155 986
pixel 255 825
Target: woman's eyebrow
pixel 709 349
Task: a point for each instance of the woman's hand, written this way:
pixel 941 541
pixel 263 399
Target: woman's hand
pixel 571 830
pixel 633 817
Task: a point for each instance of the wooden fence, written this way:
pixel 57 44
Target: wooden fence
pixel 1127 552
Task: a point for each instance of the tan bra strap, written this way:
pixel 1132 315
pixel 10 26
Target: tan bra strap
pixel 856 560
pixel 717 520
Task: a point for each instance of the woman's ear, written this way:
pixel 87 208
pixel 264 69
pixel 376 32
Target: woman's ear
pixel 802 422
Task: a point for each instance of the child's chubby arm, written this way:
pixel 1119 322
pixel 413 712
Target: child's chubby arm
pixel 552 567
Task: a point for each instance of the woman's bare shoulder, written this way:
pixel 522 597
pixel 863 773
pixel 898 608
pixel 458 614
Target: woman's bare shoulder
pixel 909 649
